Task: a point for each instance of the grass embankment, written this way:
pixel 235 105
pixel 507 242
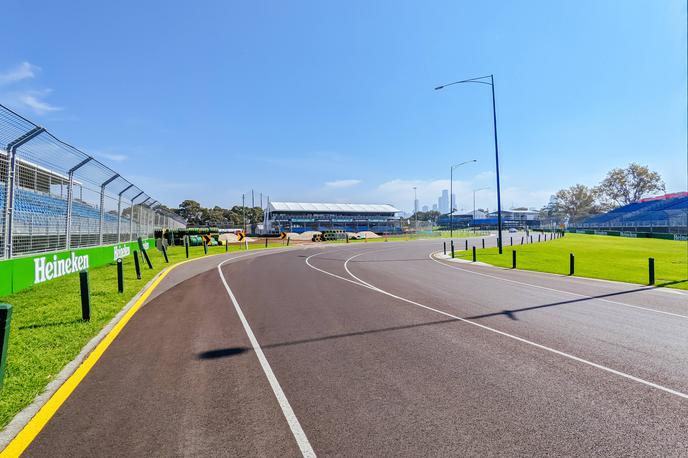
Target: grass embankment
pixel 47 332
pixel 597 256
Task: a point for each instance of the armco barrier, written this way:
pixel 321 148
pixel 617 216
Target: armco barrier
pixel 20 273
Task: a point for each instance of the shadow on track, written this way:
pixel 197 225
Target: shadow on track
pixel 233 351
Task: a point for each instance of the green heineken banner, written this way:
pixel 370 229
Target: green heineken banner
pixel 20 273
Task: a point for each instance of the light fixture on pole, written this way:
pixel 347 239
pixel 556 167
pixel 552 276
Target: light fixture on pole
pixel 415 208
pixel 483 80
pixel 451 195
pixel 474 191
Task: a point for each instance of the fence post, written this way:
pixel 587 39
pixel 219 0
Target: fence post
pixel 137 265
pixel 120 276
pixel 473 253
pixel 101 221
pixel 186 245
pixel 513 259
pixel 444 245
pixel 10 184
pixel 164 252
pixel 571 264
pixel 452 248
pixel 651 268
pixel 5 319
pixel 144 253
pixel 85 296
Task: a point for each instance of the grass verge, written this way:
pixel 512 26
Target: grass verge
pixel 47 332
pixel 598 256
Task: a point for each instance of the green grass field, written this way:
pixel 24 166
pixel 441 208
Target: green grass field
pixel 47 332
pixel 597 256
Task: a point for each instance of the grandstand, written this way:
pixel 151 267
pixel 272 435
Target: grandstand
pixel 667 213
pixel 55 197
pixel 300 217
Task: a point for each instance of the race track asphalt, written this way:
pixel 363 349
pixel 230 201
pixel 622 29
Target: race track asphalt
pixel 382 349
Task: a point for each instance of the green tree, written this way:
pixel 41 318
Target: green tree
pixel 191 211
pixel 625 186
pixel 574 203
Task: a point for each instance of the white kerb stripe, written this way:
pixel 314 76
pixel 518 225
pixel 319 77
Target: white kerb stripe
pixel 294 425
pixel 520 339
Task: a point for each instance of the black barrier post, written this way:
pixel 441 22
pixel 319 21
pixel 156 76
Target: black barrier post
pixel 538 237
pixel 651 267
pixel 451 242
pixel 144 253
pixel 521 240
pixel 226 246
pixel 266 242
pixel 444 244
pixel 531 239
pixel 571 264
pixel 205 247
pixel 513 259
pixel 85 296
pixel 483 243
pixel 347 237
pixel 5 318
pixel 466 244
pixel 186 245
pixel 120 276
pixel 512 241
pixel 148 261
pixel 473 253
pixel 164 254
pixel 288 239
pixel 137 265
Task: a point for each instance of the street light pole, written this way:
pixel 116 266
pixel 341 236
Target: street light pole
pixel 451 195
pixel 481 80
pixel 415 208
pixel 474 191
pixel 243 210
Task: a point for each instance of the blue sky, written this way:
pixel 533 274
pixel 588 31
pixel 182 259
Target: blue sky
pixel 334 101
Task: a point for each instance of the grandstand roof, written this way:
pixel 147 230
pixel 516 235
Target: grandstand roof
pixel 331 207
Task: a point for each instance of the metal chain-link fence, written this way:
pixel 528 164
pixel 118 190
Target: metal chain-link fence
pixel 55 197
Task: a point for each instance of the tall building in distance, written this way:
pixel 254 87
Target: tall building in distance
pixel 425 208
pixel 443 202
pixel 434 207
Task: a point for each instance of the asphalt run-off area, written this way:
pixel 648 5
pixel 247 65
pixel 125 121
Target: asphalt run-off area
pixel 382 349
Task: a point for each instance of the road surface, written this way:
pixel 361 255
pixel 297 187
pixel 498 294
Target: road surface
pixel 382 349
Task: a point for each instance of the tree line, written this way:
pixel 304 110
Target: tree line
pixel 197 215
pixel 621 186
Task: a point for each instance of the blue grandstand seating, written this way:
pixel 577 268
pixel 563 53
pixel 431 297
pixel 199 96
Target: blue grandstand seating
pixel 32 203
pixel 666 211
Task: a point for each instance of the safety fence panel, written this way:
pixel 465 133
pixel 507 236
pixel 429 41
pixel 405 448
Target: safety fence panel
pixel 55 197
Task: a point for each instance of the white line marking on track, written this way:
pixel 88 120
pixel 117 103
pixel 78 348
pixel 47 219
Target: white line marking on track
pixel 511 336
pixel 294 425
pixel 554 289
